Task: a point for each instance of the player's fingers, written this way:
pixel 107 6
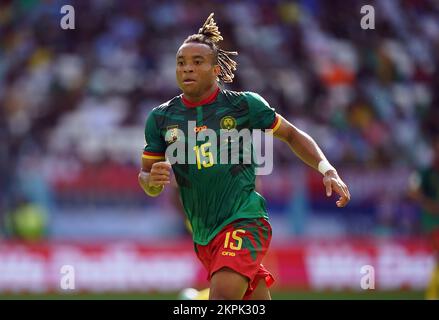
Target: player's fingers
pixel 160 177
pixel 339 202
pixel 160 171
pixel 328 187
pixel 162 165
pixel 342 201
pixel 346 192
pixel 155 171
pixel 348 195
pixel 338 187
pixel 159 182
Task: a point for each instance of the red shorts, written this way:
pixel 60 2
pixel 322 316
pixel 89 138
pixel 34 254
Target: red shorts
pixel 240 246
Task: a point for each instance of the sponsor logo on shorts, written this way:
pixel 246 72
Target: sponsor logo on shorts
pixel 228 253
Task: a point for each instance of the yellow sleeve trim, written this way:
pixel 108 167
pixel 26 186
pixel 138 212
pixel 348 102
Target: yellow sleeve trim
pixel 144 156
pixel 279 120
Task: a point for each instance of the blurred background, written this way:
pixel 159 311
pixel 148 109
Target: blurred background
pixel 73 105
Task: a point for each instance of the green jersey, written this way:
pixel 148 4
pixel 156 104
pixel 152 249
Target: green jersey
pixel 213 193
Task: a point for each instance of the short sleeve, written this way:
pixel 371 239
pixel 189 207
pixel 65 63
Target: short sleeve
pixel 155 146
pixel 262 116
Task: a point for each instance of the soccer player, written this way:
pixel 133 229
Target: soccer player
pixel 424 189
pixel 231 230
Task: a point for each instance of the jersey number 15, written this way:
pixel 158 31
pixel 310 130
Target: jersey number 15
pixel 206 154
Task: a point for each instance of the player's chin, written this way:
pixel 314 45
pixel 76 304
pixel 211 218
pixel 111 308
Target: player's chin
pixel 190 90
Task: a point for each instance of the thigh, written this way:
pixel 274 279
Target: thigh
pixel 227 284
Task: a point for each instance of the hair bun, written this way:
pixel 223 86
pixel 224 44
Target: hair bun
pixel 210 30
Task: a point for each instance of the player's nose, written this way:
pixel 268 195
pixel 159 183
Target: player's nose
pixel 188 68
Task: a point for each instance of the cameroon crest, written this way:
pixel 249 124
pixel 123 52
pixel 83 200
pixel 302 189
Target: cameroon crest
pixel 228 123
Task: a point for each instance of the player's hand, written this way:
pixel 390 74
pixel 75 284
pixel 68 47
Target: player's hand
pixel 332 181
pixel 160 174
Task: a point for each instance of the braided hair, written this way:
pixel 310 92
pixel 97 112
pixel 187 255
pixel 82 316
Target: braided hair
pixel 209 34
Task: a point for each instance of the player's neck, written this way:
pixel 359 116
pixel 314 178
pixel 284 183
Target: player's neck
pixel 204 97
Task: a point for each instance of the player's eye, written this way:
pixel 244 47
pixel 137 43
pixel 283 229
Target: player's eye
pixel 180 63
pixel 198 62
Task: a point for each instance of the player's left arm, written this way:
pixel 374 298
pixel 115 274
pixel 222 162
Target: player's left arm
pixel 309 152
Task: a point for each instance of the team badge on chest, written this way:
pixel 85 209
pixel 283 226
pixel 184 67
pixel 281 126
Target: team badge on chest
pixel 171 134
pixel 228 123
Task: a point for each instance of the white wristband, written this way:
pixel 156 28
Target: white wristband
pixel 325 166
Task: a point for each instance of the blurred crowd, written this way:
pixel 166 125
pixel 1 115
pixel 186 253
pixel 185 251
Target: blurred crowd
pixel 74 99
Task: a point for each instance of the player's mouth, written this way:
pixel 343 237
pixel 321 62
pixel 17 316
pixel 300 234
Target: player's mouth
pixel 188 81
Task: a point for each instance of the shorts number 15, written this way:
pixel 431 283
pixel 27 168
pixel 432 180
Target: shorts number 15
pixel 231 245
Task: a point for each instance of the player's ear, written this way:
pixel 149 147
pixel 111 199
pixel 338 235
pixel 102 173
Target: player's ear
pixel 217 70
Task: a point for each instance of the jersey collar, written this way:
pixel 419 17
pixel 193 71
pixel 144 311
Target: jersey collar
pixel 208 100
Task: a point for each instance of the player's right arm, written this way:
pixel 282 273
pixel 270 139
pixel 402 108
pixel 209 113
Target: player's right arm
pixel 155 172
